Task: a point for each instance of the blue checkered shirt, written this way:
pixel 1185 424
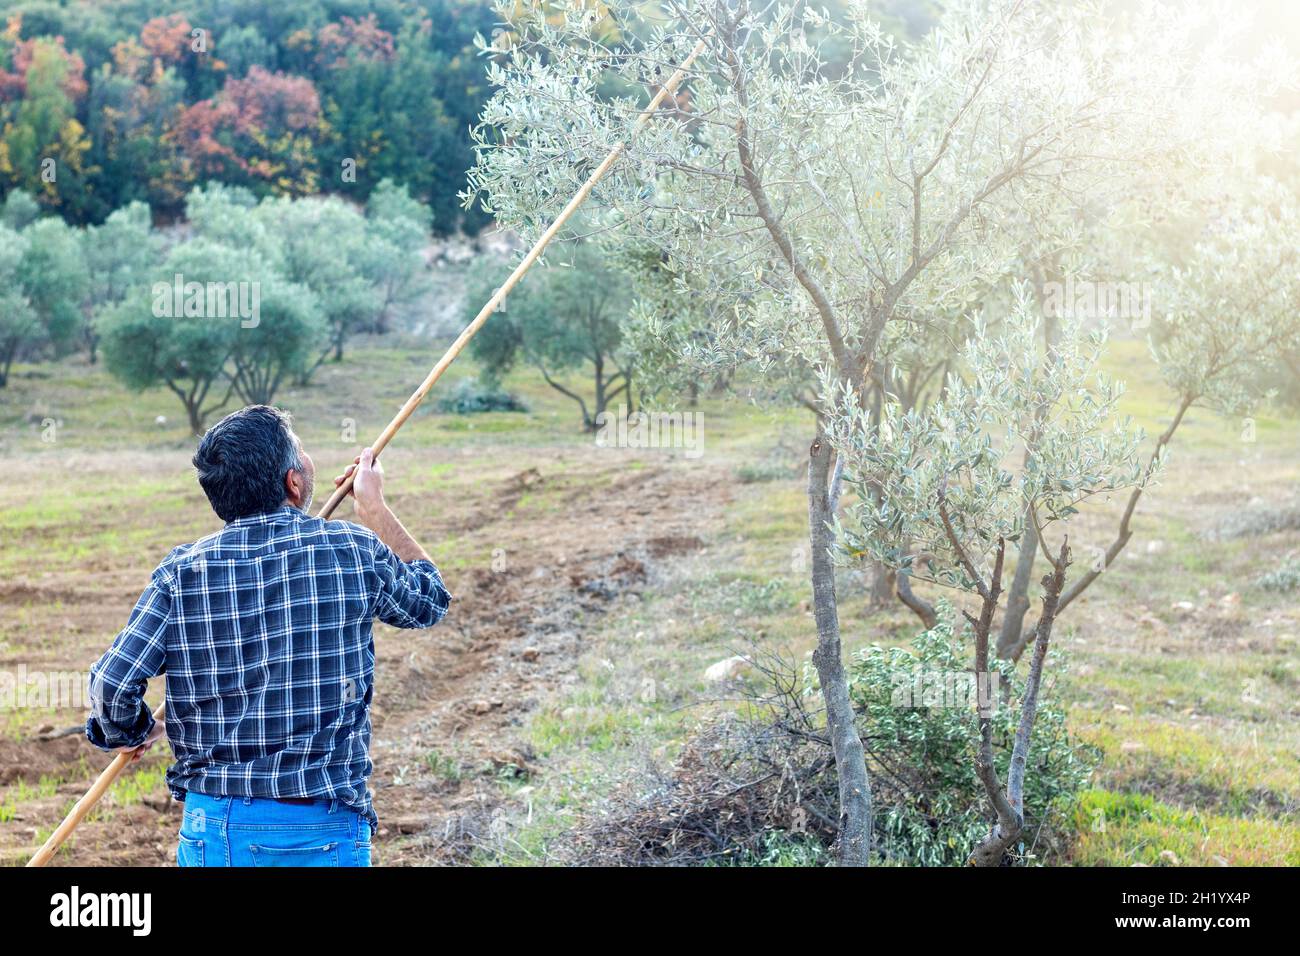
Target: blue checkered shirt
pixel 264 632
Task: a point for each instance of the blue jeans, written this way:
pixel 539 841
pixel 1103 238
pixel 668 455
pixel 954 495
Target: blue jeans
pixel 252 831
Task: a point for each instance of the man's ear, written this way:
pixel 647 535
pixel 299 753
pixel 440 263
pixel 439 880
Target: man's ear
pixel 293 487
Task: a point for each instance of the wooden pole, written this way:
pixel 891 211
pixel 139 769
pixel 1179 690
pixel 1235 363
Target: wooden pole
pixel 114 769
pixel 499 296
pixel 84 805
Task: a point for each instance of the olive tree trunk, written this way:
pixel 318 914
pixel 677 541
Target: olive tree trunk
pixel 850 760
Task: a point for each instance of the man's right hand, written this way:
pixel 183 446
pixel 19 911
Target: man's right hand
pixel 371 510
pixel 368 487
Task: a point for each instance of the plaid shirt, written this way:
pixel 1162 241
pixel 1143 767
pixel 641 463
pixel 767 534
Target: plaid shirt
pixel 264 632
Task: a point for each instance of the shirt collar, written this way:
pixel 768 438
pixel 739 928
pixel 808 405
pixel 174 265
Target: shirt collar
pixel 268 517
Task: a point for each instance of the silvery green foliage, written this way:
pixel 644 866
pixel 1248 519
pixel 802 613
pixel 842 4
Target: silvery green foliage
pixel 19 210
pixel 224 214
pixel 673 335
pixel 119 253
pixel 892 176
pixel 53 277
pixel 934 810
pixel 323 245
pixel 397 230
pixel 1285 577
pixel 964 453
pixel 1232 304
pixel 18 322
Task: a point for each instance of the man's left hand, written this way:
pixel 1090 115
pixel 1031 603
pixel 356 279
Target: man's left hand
pixel 159 731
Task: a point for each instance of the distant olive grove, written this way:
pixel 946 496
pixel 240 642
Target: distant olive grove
pixel 246 297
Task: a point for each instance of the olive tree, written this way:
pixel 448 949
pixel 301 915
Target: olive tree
pixel 397 232
pixel 1013 443
pixel 120 254
pixel 814 206
pixel 1133 228
pixel 229 325
pixel 19 209
pixel 223 214
pixel 359 268
pixel 1224 321
pixel 187 355
pixel 52 275
pixel 568 321
pixel 269 343
pixel 18 322
pixel 321 244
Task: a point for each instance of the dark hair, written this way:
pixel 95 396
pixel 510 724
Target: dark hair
pixel 242 461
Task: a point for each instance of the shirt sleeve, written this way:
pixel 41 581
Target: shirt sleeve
pixel 411 593
pixel 119 715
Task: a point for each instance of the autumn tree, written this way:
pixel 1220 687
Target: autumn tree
pixel 43 144
pixel 295 98
pixel 260 130
pixel 403 114
pixel 134 104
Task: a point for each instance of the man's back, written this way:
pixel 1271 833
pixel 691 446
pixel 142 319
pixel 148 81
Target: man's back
pixel 264 632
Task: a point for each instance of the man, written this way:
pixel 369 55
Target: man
pixel 264 632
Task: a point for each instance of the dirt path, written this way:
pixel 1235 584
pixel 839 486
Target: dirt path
pixel 449 702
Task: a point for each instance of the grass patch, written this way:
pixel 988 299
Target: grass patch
pixel 1117 829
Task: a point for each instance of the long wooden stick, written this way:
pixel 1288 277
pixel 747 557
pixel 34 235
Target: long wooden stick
pixel 114 769
pixel 91 797
pixel 499 296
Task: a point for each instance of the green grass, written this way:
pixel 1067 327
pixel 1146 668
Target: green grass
pixel 444 767
pixel 1218 765
pixel 1123 829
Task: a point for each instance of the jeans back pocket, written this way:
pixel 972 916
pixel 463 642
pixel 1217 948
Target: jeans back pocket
pixel 325 855
pixel 189 852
